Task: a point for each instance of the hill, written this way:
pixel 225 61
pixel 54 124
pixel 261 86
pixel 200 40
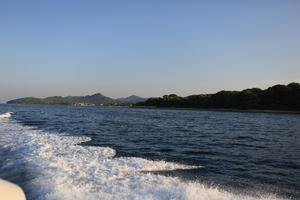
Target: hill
pixel 95 99
pixel 132 99
pixel 277 97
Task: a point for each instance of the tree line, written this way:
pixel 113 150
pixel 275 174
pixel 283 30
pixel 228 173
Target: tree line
pixel 277 97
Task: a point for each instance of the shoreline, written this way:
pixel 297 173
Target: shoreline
pixel 176 108
pixel 223 110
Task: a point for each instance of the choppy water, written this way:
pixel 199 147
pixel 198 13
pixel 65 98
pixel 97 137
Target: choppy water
pixel 66 152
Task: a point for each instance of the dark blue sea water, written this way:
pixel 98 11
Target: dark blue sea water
pixel 67 152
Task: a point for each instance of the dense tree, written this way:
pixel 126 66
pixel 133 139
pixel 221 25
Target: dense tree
pixel 279 97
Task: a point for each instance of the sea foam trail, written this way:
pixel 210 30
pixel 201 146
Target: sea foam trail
pixel 6 115
pixel 67 171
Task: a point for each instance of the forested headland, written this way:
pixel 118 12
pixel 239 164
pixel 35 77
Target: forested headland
pixel 277 97
pixel 89 100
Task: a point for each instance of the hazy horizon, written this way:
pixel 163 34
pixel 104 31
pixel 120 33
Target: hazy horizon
pixel 117 97
pixel 62 48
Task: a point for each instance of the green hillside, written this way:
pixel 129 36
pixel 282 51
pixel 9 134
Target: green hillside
pixel 277 97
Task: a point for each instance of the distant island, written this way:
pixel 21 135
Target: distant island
pixel 89 100
pixel 277 97
pixel 132 99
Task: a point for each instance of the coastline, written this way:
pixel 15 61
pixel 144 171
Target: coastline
pixel 183 108
pixel 223 110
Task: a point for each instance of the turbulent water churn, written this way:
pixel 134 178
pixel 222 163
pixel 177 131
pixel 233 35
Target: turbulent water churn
pixel 65 152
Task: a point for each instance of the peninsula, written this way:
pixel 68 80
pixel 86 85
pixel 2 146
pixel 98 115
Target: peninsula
pixel 89 100
pixel 277 97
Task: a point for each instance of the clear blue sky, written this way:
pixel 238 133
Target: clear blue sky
pixel 147 48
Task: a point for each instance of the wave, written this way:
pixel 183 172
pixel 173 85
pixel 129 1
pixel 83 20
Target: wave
pixel 65 170
pixel 6 115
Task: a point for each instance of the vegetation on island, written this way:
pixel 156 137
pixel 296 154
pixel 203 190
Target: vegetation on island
pixel 89 100
pixel 277 97
pixel 132 99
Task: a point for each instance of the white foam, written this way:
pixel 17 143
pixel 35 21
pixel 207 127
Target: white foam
pixel 6 115
pixel 66 171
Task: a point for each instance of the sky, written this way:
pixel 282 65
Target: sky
pixel 146 47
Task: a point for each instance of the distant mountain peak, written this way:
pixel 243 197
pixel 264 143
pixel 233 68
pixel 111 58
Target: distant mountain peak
pixel 97 94
pixel 135 96
pixel 132 99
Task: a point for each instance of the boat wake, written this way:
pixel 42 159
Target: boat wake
pixel 6 115
pixel 65 170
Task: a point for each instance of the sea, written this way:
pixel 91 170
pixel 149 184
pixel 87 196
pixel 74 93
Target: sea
pixel 121 153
